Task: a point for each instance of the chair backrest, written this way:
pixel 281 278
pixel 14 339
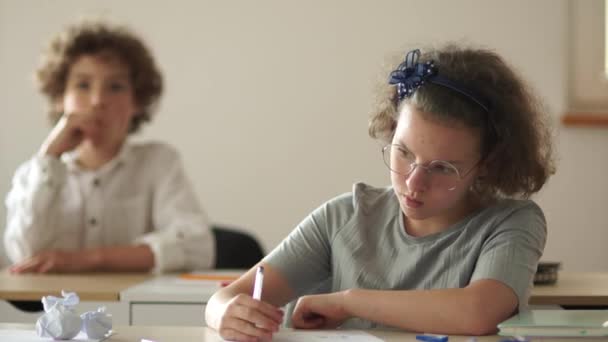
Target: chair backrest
pixel 235 248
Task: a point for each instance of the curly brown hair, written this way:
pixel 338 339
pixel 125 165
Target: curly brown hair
pixel 516 140
pixel 94 37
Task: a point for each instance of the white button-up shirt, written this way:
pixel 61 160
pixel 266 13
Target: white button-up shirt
pixel 142 196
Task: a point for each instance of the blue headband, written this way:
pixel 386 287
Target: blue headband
pixel 410 75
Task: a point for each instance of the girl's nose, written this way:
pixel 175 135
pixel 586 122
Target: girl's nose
pixel 417 180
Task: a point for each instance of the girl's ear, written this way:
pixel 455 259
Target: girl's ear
pixel 487 161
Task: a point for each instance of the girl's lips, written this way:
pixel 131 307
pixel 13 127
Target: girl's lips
pixel 412 203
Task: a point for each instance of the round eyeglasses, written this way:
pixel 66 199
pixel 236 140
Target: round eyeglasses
pixel 441 174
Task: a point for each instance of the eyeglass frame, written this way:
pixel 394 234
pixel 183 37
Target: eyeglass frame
pixel 414 165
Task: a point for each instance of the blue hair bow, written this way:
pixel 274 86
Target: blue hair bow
pixel 411 75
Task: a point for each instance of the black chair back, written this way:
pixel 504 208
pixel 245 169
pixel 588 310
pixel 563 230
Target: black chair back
pixel 235 248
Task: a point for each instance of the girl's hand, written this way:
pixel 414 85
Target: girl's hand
pixel 248 319
pixel 69 132
pixel 325 311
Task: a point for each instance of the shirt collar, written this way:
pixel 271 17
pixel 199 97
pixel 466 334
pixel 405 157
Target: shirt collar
pixel 71 159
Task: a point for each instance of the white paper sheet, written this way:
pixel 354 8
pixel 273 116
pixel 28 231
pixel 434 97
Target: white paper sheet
pixel 324 336
pixel 19 335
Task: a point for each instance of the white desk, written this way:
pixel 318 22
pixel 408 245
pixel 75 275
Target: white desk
pixel 574 289
pixel 94 290
pixel 201 334
pixel 132 299
pixel 171 300
pixel 142 299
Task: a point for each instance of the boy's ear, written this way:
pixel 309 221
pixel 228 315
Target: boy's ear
pixel 482 169
pixel 137 114
pixel 58 106
pixel 137 108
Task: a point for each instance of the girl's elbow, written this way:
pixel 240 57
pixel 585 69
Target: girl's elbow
pixel 479 323
pixel 484 320
pixel 481 327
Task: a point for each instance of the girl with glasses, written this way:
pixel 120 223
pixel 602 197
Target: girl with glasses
pixel 451 247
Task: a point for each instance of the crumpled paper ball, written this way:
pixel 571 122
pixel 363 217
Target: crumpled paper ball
pixel 60 321
pixel 96 324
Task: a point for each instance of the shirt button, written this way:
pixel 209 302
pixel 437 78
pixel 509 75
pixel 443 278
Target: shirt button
pixel 92 221
pixel 96 182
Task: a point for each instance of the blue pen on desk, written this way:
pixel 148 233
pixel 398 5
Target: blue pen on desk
pixel 432 338
pixel 259 283
pixel 515 339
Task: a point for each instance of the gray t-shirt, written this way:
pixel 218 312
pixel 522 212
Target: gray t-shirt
pixel 358 240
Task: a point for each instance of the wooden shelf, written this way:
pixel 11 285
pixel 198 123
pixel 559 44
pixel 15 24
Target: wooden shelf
pixel 585 120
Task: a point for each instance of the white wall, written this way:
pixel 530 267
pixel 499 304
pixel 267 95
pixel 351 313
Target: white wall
pixel 268 100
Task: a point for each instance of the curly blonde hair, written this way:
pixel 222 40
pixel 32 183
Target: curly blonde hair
pixel 91 38
pixel 516 141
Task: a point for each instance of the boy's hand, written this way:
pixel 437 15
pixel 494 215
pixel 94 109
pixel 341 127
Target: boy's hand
pixel 57 261
pixel 69 132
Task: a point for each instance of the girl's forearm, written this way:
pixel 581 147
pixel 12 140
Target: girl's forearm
pixel 474 310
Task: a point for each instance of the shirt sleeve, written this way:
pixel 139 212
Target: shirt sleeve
pixel 511 254
pixel 181 238
pixel 304 257
pixel 31 205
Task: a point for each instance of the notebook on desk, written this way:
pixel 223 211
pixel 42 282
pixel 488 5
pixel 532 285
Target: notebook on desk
pixel 566 323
